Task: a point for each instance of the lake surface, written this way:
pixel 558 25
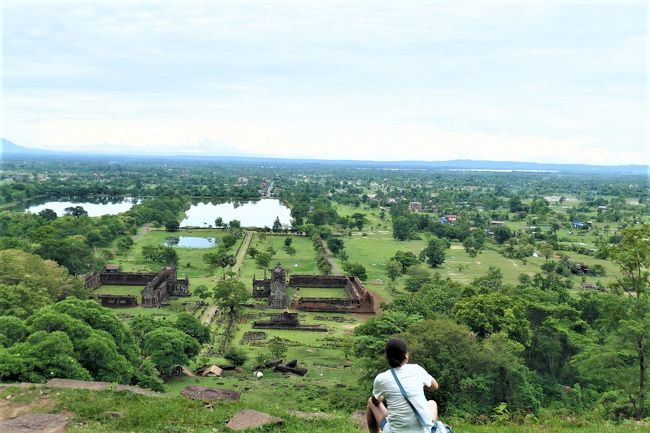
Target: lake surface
pixel 95 207
pixel 190 242
pixel 258 213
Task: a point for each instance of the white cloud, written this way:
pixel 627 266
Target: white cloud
pixel 550 81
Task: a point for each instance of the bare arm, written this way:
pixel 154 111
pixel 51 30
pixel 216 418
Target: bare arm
pixel 433 386
pixel 376 401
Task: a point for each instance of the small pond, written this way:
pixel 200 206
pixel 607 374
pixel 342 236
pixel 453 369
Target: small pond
pixel 95 207
pixel 190 242
pixel 258 213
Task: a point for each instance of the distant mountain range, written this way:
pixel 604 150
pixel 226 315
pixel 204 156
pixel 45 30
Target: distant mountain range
pixel 12 151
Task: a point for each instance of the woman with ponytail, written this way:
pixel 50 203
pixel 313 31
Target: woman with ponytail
pixel 401 387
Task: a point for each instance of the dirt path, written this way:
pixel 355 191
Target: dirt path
pixel 208 314
pixel 330 258
pixel 141 232
pixel 241 254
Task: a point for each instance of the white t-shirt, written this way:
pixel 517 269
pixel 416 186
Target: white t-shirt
pixel 401 418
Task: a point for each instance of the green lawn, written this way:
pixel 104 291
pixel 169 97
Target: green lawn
pixel 337 292
pixel 120 290
pixel 303 262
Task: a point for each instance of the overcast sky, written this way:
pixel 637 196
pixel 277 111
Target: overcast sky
pixel 551 81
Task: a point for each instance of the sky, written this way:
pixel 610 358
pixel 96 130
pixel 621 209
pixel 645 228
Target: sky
pixel 542 81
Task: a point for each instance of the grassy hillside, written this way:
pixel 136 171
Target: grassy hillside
pixel 108 411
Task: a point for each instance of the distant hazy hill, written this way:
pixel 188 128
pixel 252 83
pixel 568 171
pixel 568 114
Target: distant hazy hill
pixel 9 148
pixel 13 151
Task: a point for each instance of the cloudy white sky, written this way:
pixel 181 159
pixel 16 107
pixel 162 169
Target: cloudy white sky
pixel 545 81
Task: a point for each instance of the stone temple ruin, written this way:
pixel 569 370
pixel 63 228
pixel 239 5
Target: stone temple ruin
pixel 157 287
pixel 288 321
pixel 274 289
pixel 358 300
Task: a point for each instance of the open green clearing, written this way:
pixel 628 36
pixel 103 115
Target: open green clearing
pixel 300 263
pixel 117 289
pixel 334 292
pixel 374 245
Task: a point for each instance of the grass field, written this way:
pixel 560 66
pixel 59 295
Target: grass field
pixel 119 290
pixel 303 262
pixel 374 246
pixel 311 292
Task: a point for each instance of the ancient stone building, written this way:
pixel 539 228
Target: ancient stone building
pixel 288 321
pixel 278 297
pixel 261 288
pixel 157 286
pixel 117 301
pixel 165 284
pixel 358 299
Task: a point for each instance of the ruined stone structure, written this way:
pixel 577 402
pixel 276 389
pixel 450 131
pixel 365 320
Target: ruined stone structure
pixel 117 301
pixel 287 320
pixel 359 299
pixel 278 297
pixel 261 288
pixel 164 285
pixel 158 286
pixel 273 289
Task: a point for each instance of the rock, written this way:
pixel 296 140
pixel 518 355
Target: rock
pixel 99 386
pixel 36 423
pixel 359 419
pixel 311 415
pixel 298 370
pixel 204 393
pixel 227 367
pixel 252 419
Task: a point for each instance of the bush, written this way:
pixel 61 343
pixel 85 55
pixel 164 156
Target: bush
pixel 237 356
pixel 172 225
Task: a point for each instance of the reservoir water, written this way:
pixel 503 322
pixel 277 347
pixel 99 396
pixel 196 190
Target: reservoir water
pixel 190 242
pixel 258 213
pixel 95 207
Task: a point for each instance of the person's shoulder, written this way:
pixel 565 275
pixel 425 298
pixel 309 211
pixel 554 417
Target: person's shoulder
pixel 383 376
pixel 417 367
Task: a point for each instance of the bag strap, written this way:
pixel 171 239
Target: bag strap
pixel 417 414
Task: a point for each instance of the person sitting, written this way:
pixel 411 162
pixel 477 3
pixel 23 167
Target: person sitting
pixel 401 387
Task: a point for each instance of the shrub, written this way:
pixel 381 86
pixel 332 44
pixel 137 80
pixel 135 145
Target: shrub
pixel 237 356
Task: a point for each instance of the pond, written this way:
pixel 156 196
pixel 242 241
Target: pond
pixel 190 242
pixel 258 213
pixel 94 206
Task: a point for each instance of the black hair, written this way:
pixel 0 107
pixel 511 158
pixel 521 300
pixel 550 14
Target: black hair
pixel 395 352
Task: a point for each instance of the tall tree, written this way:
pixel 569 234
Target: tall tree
pixel 434 253
pixel 277 225
pixel 632 255
pixel 230 294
